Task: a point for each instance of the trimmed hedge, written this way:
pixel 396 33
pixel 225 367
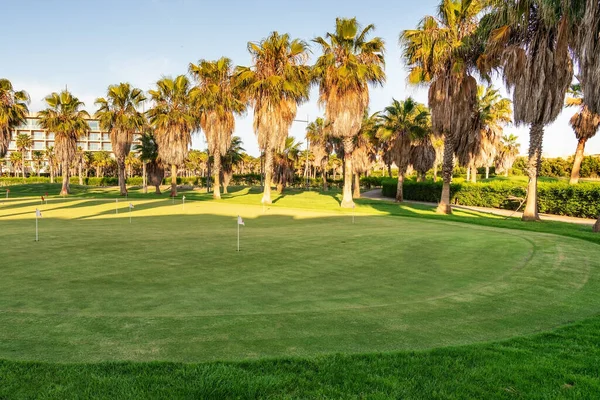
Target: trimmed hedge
pixel 559 198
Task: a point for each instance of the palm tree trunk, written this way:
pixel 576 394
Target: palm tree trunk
pixel 356 194
pixel 80 174
pixel 536 136
pixel 122 178
pixel 173 180
pixel 487 172
pixel 400 187
pixel 347 193
pixel 435 172
pixel 268 170
pixel 468 174
pixel 447 167
pixel 216 173
pixel 23 169
pixel 51 173
pixel 144 178
pixel 324 174
pixel 389 170
pixel 65 179
pixel 577 162
pixel 473 174
pixel 597 226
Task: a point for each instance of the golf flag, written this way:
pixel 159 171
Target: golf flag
pixel 42 199
pixel 130 206
pixel 240 221
pixel 38 213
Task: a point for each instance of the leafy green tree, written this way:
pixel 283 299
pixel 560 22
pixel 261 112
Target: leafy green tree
pixel 349 64
pixel 64 116
pixel 16 160
pixel 101 161
pixel 276 83
pixel 218 99
pixel 173 119
pixel 13 112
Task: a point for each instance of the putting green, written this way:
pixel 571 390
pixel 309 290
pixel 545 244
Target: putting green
pixel 171 286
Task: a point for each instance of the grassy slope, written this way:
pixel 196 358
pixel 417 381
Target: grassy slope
pixel 562 363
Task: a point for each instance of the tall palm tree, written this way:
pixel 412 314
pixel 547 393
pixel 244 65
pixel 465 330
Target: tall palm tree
pixel 37 157
pixel 585 124
pixel 218 99
pixel 13 112
pixel 147 150
pixel 478 148
pixel 24 142
pixel 119 114
pixel 16 159
pixel 65 117
pixel 285 161
pixel 422 156
pixel 349 64
pixel 320 146
pixel 230 159
pixel 530 44
pixel 440 53
pixel 402 123
pixel 52 161
pixel 586 17
pixel 275 85
pixel 508 150
pixel 79 159
pixel 174 120
pixel 365 149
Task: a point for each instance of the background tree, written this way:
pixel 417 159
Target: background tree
pixel 440 52
pixel 23 142
pixel 197 162
pixel 349 64
pixel 508 150
pixel 422 155
pixel 79 154
pixel 65 117
pixel 365 149
pixel 16 160
pixel 218 99
pixel 317 133
pixel 37 157
pixel 530 44
pixel 101 162
pixel 173 119
pixel 275 85
pixel 119 115
pixel 152 166
pixel 402 123
pixel 233 157
pixel 13 112
pixel 285 161
pixel 52 161
pixel 585 124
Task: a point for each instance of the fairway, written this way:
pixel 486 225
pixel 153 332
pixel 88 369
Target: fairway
pixel 171 286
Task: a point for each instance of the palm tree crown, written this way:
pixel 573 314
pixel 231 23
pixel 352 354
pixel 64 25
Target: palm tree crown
pixel 13 112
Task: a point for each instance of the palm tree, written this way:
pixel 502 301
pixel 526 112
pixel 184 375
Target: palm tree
pixel 275 85
pixel 67 120
pixel 587 50
pixel 152 166
pixel 87 159
pixel 530 44
pixel 585 124
pixel 218 99
pixel 16 159
pixel 477 148
pixel 422 156
pixel 317 134
pixel 508 150
pixel 349 64
pixel 365 149
pixel 229 160
pixel 119 115
pixel 174 120
pixel 197 161
pixel 13 112
pixel 285 161
pixel 23 142
pixel 101 162
pixel 37 157
pixel 52 161
pixel 79 154
pixel 440 52
pixel 402 123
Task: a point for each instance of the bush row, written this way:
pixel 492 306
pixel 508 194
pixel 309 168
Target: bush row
pixel 560 198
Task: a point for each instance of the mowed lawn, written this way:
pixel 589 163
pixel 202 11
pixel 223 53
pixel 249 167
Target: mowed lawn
pixel 308 282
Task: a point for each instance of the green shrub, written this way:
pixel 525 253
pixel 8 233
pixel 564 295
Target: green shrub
pixel 558 198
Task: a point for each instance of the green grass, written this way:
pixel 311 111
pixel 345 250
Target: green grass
pixel 313 305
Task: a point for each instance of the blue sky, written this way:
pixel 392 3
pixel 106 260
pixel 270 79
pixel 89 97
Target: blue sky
pixel 88 45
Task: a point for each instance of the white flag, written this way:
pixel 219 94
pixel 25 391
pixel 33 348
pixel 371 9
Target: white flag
pixel 184 197
pixel 38 213
pixel 130 205
pixel 240 221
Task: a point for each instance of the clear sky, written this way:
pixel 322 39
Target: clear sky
pixel 88 45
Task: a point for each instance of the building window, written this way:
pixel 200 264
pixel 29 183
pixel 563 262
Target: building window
pixel 12 145
pixel 50 136
pixel 107 146
pixel 105 136
pixel 38 145
pixel 94 136
pixel 34 123
pixel 39 135
pixel 94 125
pixel 50 144
pixel 94 146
